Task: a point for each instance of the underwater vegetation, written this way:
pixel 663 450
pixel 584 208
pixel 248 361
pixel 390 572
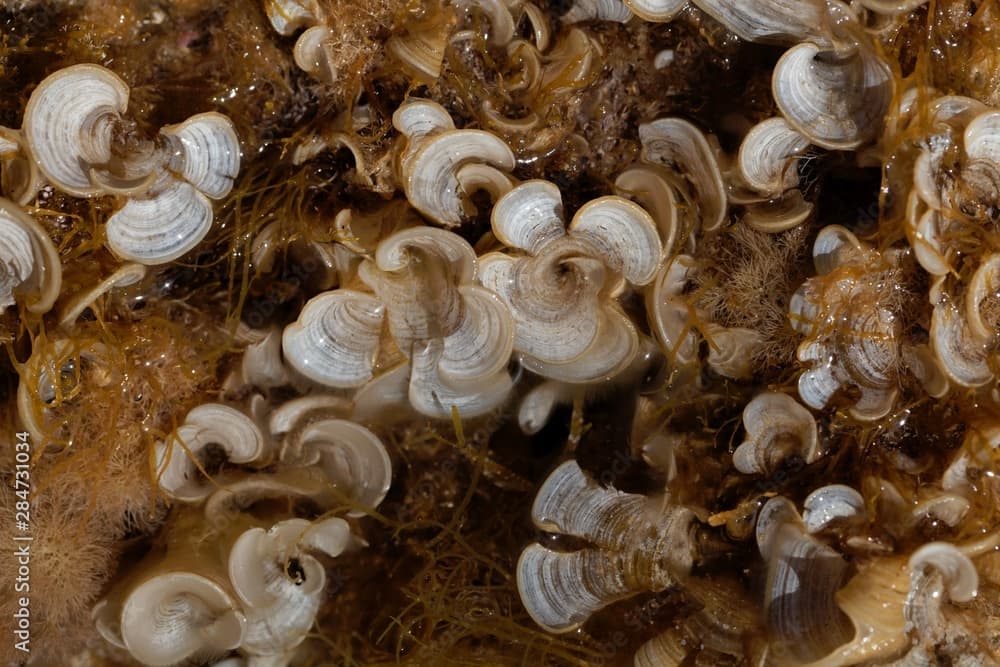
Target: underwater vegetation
pixel 499 332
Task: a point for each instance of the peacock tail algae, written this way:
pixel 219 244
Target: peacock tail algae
pixel 436 580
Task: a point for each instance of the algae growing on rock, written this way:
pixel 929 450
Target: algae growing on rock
pixel 499 332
